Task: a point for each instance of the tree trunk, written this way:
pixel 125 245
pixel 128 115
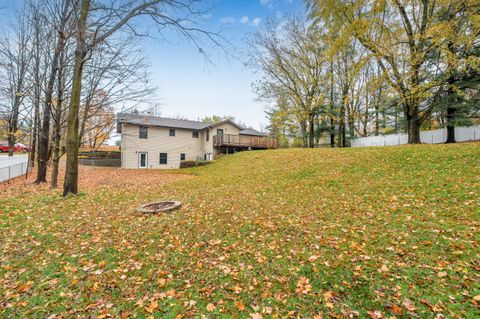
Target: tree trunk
pixel 13 121
pixel 413 129
pixel 36 88
pixel 451 111
pixel 317 133
pixel 365 117
pixel 311 131
pixel 451 125
pixel 351 121
pixel 36 122
pixel 303 127
pixel 56 157
pixel 341 127
pixel 332 108
pixel 43 144
pixel 397 122
pixel 332 131
pixel 384 118
pixel 11 143
pixel 71 174
pixel 58 124
pixel 342 137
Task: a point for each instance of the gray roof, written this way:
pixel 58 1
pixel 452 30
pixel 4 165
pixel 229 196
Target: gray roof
pixel 148 120
pixel 251 131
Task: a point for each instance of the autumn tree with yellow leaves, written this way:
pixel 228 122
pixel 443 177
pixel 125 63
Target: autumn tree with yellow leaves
pixel 414 43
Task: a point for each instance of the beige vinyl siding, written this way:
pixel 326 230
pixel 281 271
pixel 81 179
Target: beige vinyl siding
pixel 159 141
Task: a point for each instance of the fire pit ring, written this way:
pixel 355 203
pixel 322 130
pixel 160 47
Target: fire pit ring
pixel 159 207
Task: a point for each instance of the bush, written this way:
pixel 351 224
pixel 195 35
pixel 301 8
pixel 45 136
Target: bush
pixel 187 164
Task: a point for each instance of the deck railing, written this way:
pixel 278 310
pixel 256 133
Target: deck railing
pixel 254 142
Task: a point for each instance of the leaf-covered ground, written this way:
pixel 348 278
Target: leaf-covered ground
pixel 368 233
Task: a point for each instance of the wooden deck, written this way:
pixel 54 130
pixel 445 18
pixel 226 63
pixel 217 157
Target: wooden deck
pixel 244 141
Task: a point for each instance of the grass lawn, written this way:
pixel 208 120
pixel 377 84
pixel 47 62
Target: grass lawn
pixel 369 232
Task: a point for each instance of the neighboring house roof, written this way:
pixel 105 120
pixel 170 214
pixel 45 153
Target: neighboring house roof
pixel 251 132
pixel 149 120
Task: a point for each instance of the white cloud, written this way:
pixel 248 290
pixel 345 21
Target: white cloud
pixel 244 20
pixel 256 21
pixel 228 20
pixel 270 4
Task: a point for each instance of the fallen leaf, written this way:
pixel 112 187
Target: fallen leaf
pixel 210 307
pixel 375 314
pixel 408 304
pixel 240 305
pixel 153 305
pixel 396 310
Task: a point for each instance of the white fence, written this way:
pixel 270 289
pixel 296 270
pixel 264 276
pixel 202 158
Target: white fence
pixel 462 134
pixel 11 167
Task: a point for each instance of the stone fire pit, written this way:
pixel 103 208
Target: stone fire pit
pixel 159 207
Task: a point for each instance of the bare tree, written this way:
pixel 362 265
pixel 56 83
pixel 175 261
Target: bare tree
pixel 116 74
pixel 292 63
pixel 61 13
pixel 15 58
pixel 108 20
pixel 36 77
pixel 58 117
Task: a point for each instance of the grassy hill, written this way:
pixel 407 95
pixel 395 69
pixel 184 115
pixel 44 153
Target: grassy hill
pixel 371 232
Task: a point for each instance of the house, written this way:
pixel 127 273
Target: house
pixel 159 142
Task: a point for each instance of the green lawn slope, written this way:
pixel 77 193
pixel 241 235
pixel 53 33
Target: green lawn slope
pixel 389 232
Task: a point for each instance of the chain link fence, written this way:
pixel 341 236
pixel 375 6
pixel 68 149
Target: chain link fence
pixel 15 170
